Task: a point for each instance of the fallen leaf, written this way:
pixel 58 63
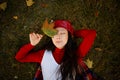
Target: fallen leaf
pixel 44 5
pixel 48 29
pixel 3 5
pixel 29 2
pixel 96 13
pixel 15 17
pixel 98 49
pixel 15 77
pixel 89 63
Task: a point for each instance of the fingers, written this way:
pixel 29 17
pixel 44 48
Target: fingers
pixel 35 35
pixel 39 35
pixel 35 38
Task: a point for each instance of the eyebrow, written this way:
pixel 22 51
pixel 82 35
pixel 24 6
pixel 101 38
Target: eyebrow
pixel 62 31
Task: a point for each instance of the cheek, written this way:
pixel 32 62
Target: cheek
pixel 53 40
pixel 65 40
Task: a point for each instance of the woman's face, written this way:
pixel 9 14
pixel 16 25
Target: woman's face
pixel 61 38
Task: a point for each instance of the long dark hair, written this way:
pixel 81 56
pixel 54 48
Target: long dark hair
pixel 69 62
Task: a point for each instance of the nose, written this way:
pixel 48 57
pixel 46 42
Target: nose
pixel 57 36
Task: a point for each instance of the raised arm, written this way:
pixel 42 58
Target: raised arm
pixel 24 54
pixel 88 37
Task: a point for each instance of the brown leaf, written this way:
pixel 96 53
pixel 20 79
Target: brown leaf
pixel 3 5
pixel 48 29
pixel 29 2
pixel 98 49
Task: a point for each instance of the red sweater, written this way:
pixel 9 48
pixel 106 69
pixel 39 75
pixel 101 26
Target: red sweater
pixel 88 36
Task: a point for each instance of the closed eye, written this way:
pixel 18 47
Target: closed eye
pixel 62 33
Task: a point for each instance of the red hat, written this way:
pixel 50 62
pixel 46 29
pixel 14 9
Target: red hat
pixel 64 24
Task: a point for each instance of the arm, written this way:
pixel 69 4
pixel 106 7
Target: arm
pixel 24 54
pixel 88 37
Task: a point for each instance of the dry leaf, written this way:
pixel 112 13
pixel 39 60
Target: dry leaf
pixel 89 63
pixel 15 77
pixel 48 29
pixel 44 5
pixel 30 2
pixel 3 5
pixel 15 17
pixel 96 13
pixel 98 49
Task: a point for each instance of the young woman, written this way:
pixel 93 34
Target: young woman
pixel 61 58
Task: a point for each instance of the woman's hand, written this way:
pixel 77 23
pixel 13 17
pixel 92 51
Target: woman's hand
pixel 35 38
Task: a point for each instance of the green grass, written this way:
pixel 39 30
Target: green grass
pixel 102 15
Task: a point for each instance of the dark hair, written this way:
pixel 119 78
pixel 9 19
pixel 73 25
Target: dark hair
pixel 69 61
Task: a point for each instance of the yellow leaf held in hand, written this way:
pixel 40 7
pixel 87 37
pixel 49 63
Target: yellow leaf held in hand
pixel 48 29
pixel 3 5
pixel 89 63
pixel 30 2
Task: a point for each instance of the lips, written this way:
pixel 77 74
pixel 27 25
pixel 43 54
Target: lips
pixel 58 41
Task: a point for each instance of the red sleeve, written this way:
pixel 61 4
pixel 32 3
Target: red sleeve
pixel 88 37
pixel 24 54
